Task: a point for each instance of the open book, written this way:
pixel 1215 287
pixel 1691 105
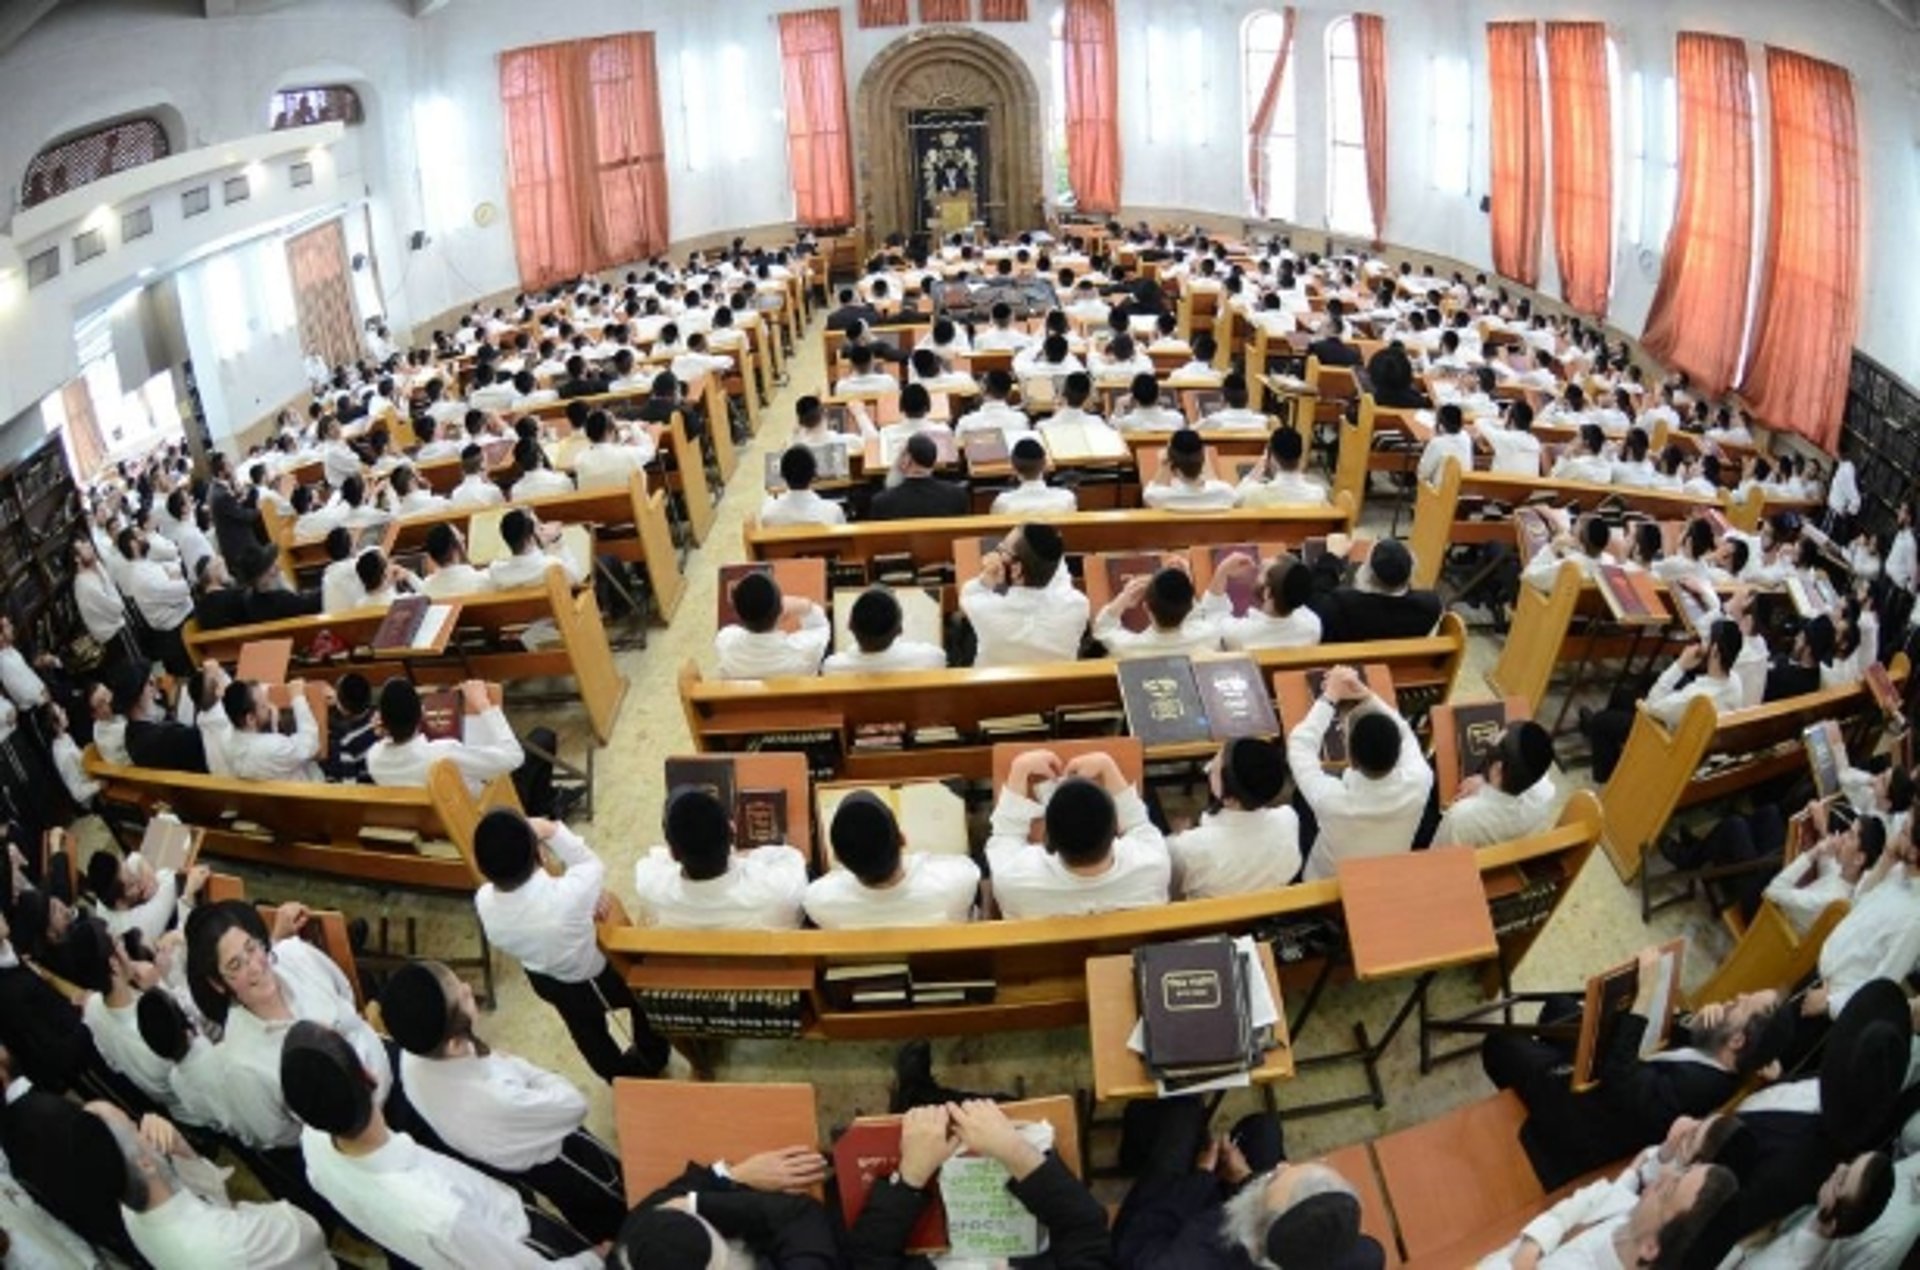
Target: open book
pixel 1609 995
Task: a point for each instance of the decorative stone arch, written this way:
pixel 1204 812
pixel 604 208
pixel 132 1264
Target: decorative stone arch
pixel 948 67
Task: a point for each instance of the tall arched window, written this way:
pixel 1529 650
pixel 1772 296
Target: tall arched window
pixel 1260 41
pixel 82 160
pixel 321 103
pixel 1348 208
pixel 1057 96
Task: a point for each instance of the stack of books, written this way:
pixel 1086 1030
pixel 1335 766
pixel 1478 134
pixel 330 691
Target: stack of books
pixel 1206 1016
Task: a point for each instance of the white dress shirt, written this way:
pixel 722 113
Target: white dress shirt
pixel 269 756
pixel 488 748
pixel 116 1035
pixel 606 464
pixel 1233 851
pixel 902 654
pixel 1443 446
pixel 1285 489
pixel 431 1209
pixel 164 600
pixel 529 568
pixel 761 890
pixel 1515 453
pixel 1490 815
pixel 73 774
pixel 1233 419
pixel 1257 628
pixel 1155 418
pixel 994 414
pixel 39 1240
pixel 110 738
pixel 745 654
pixel 340 588
pixel 22 682
pixel 1801 899
pixel 449 581
pixel 188 1232
pixel 1197 634
pixel 932 889
pixel 1034 498
pixel 1595 469
pixel 547 921
pixel 151 916
pixel 1591 1216
pixel 100 604
pixel 1879 938
pixel 1668 700
pixel 1023 625
pixel 540 483
pixel 801 507
pixel 498 1110
pixel 1358 815
pixel 315 990
pixel 479 490
pixel 1179 494
pixel 197 1086
pixel 1031 881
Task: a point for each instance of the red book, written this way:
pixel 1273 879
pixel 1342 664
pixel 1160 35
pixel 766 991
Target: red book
pixel 1240 590
pixel 730 575
pixel 443 715
pixel 868 1153
pixel 1121 568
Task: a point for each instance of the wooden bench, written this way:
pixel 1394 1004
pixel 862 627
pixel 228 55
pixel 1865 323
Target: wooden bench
pixel 1660 773
pixel 1770 953
pixel 582 651
pixel 1037 964
pixel 931 541
pixel 733 714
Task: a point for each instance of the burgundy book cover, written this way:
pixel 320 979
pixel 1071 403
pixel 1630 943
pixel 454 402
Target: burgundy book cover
pixel 1122 567
pixel 760 817
pixel 730 575
pixel 986 447
pixel 1235 697
pixel 1240 590
pixel 867 1154
pixel 402 622
pixel 443 715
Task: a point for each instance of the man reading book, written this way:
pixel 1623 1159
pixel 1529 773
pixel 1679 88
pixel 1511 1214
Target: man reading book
pixel 1099 851
pixel 486 747
pixel 1278 479
pixel 756 647
pixel 1703 669
pixel 256 749
pixel 448 573
pixel 1375 806
pixel 1242 842
pixel 877 881
pixel 1022 604
pixel 697 881
pixel 875 623
pixel 797 504
pixel 1568 1133
pixel 1279 616
pixel 1513 798
pixel 1031 495
pixel 1174 625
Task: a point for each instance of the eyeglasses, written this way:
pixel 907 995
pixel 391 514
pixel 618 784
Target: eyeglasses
pixel 237 963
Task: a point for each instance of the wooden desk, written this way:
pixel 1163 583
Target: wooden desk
pixel 1356 1164
pixel 1113 1008
pixel 1126 751
pixel 784 772
pixel 1458 1173
pixel 805 579
pixel 660 1125
pixel 1415 912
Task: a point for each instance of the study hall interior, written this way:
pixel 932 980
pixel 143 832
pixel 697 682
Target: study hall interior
pixel 1319 601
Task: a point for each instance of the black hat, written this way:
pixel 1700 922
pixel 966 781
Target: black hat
pixel 1536 749
pixel 1187 441
pixel 414 1007
pixel 1029 448
pixel 503 845
pixel 862 817
pixel 127 685
pixel 1865 1065
pixel 1318 1233
pixel 662 1238
pixel 89 957
pixel 1391 562
pixel 1080 819
pixel 322 1080
pixel 1252 770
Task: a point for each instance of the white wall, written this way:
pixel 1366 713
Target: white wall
pixel 432 147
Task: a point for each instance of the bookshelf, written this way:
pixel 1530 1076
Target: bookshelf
pixel 39 514
pixel 1881 430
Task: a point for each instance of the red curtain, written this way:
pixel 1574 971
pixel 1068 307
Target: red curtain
pixel 1003 10
pixel 1518 143
pixel 1370 37
pixel 323 294
pixel 882 13
pixel 586 159
pixel 1809 307
pixel 1259 179
pixel 819 145
pixel 1093 105
pixel 946 10
pixel 1699 311
pixel 1582 163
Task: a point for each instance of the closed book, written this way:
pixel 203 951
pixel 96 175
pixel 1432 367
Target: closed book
pixel 1534 529
pixel 1122 567
pixel 1629 595
pixel 1162 700
pixel 1333 747
pixel 730 575
pixel 760 816
pixel 1465 738
pixel 712 775
pixel 1693 610
pixel 1193 1004
pixel 1881 685
pixel 397 628
pixel 443 715
pixel 1235 698
pixel 1611 994
pixel 841 985
pixel 866 1155
pixel 831 462
pixel 839 417
pixel 1240 590
pixel 1826 756
pixel 1206 402
pixel 986 448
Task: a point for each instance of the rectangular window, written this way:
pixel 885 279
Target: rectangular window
pixel 236 189
pixel 88 245
pixel 1452 146
pixel 301 174
pixel 1349 211
pixel 196 200
pixel 137 223
pixel 44 267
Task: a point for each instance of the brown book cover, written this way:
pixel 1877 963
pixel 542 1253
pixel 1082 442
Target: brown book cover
pixel 987 447
pixel 1885 694
pixel 714 775
pixel 1240 590
pixel 443 715
pixel 1162 700
pixel 1235 697
pixel 1193 1001
pixel 1122 567
pixel 1627 596
pixel 730 575
pixel 402 623
pixel 1465 736
pixel 264 661
pixel 494 453
pixel 760 817
pixel 1333 747
pixel 1535 532
pixel 1609 995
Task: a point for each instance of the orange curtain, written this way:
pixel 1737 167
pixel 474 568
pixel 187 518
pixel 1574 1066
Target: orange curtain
pixel 1809 308
pixel 1003 10
pixel 1370 37
pixel 1582 163
pixel 1093 105
pixel 1699 311
pixel 586 155
pixel 1519 188
pixel 84 445
pixel 819 147
pixel 1259 179
pixel 946 10
pixel 322 294
pixel 882 13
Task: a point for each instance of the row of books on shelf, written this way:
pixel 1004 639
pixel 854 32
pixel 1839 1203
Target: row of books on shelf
pixel 891 985
pixel 756 1012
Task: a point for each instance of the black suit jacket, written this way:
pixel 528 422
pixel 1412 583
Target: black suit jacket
pixel 1348 615
pixel 1076 1223
pixel 221 607
pixel 42 1030
pixel 1332 352
pixel 787 1232
pixel 237 530
pixel 1788 679
pixel 847 316
pixel 42 1136
pixel 174 747
pixel 1793 1157
pixel 920 496
pixel 276 603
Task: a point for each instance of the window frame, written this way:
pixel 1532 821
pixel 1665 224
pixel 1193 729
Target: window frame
pixel 1281 144
pixel 1342 31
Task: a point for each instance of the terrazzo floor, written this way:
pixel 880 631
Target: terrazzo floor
pixel 1597 925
